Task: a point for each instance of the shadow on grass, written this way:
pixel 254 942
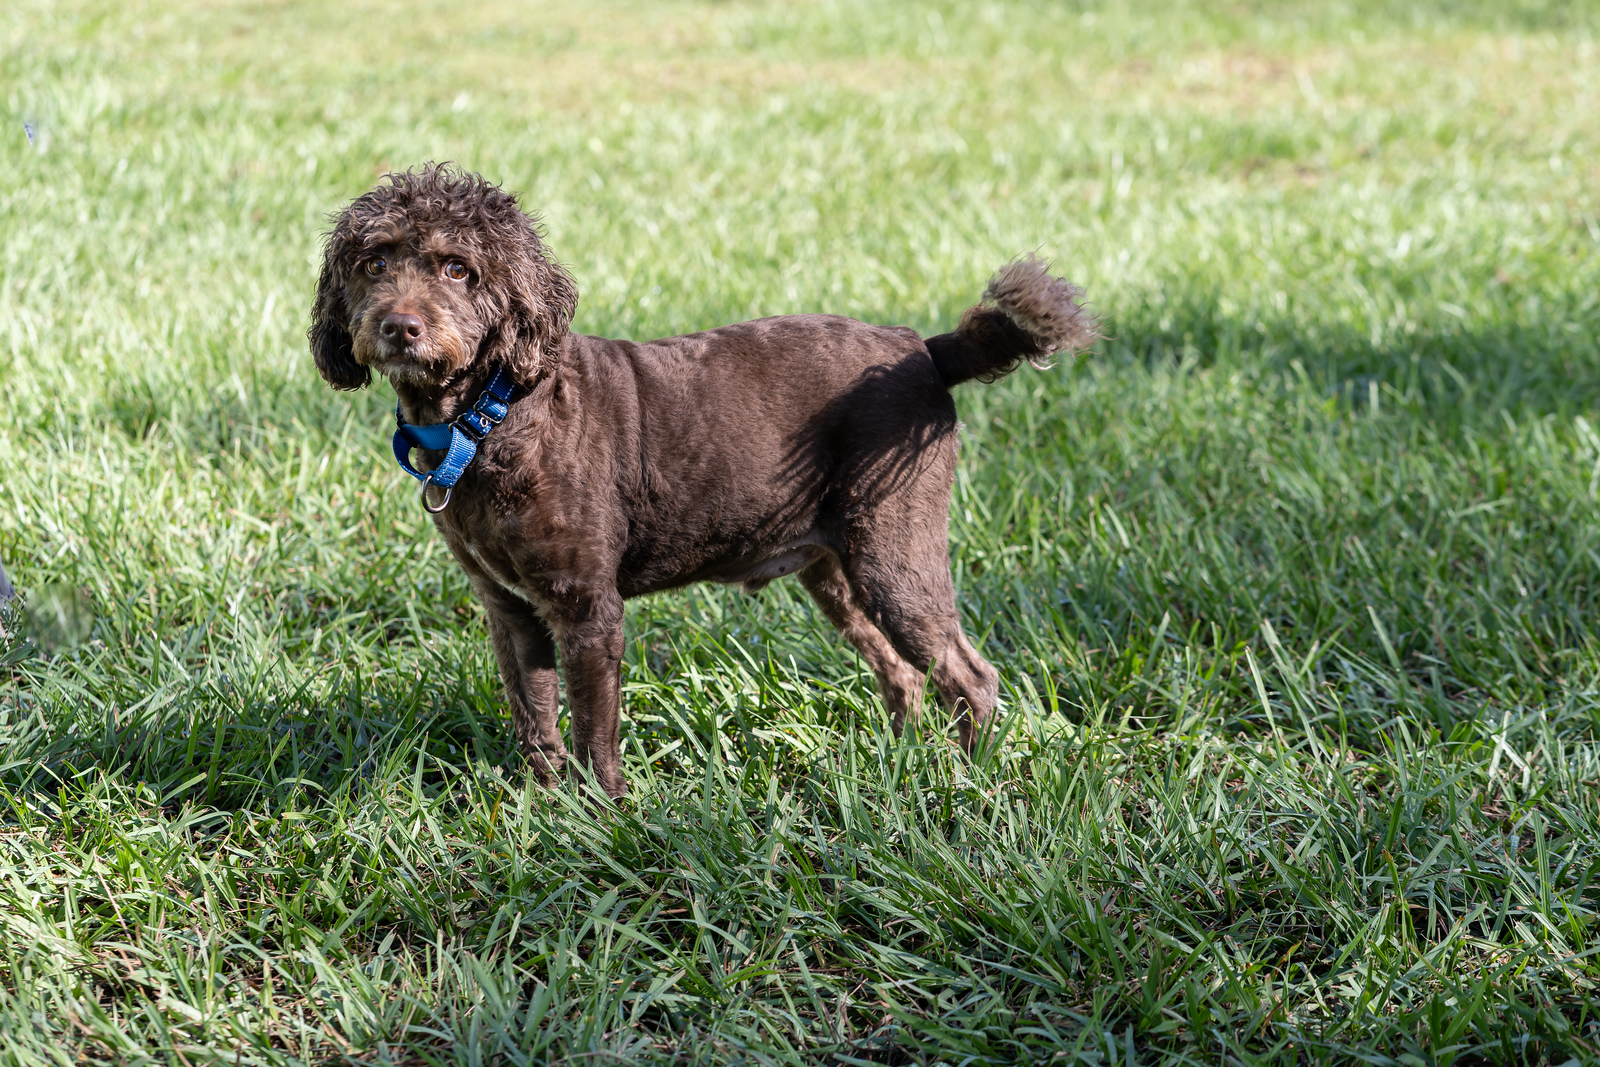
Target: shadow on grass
pixel 247 732
pixel 1527 353
pixel 1409 528
pixel 1463 366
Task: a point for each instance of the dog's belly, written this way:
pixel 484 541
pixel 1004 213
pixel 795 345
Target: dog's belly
pixel 755 572
pixel 751 566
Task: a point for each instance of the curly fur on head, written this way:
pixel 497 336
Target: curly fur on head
pixel 395 251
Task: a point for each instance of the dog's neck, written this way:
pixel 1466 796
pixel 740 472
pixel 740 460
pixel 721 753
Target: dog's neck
pixel 425 405
pixel 429 403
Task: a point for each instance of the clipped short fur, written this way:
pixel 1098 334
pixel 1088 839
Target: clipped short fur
pixel 812 445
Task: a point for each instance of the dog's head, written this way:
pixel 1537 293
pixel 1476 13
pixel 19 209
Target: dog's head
pixel 429 273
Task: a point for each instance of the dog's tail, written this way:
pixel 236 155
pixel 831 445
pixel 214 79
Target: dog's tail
pixel 1025 315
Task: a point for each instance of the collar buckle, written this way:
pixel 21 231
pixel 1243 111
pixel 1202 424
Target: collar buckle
pixel 480 418
pixel 459 437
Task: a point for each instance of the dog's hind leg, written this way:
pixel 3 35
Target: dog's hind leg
pixel 526 652
pixel 898 682
pixel 899 571
pixel 917 612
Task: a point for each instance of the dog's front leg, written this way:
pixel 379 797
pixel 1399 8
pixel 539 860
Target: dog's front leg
pixel 591 655
pixel 525 650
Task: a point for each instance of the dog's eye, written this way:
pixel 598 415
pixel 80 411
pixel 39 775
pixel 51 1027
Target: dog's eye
pixel 455 270
pixel 376 265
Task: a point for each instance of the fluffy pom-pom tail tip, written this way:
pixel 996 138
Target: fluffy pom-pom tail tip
pixel 1048 309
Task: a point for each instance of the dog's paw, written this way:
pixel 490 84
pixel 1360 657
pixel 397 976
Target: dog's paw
pixel 547 766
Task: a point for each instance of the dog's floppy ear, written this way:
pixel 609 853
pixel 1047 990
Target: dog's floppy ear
pixel 331 346
pixel 539 298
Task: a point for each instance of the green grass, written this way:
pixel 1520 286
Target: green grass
pixel 1292 583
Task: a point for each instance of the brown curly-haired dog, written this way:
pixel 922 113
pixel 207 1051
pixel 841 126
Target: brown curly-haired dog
pixel 805 444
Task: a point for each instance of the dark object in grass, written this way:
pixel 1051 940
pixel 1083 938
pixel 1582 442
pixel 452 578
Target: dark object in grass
pixel 7 613
pixel 803 444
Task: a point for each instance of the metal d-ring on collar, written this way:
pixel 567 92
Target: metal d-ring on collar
pixel 458 438
pixel 424 495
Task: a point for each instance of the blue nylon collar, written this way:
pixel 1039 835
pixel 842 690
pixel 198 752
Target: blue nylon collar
pixel 458 438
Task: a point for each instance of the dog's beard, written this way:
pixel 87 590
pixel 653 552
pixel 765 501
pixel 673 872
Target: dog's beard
pixel 433 363
pixel 400 372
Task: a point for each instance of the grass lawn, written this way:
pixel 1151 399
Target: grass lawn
pixel 1293 583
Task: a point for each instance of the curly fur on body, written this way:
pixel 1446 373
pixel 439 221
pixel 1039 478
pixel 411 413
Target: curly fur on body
pixel 812 445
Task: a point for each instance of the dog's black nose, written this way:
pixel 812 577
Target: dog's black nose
pixel 400 328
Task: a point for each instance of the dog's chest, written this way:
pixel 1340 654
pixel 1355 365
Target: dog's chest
pixel 485 545
pixel 497 551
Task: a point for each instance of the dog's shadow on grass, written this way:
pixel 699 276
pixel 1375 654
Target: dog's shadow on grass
pixel 224 740
pixel 220 408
